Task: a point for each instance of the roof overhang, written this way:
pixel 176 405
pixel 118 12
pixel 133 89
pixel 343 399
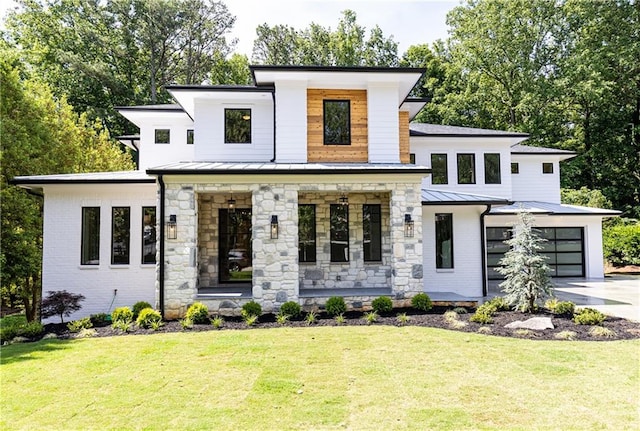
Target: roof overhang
pixel 414 106
pixel 551 209
pixel 130 141
pixel 38 182
pixel 142 114
pixel 432 197
pixel 186 95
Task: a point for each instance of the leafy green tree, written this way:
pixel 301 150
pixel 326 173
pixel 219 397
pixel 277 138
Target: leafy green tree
pixel 584 197
pixel 234 70
pixel 527 280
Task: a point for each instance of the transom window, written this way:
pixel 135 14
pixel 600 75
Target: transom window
pixel 439 173
pixel 307 233
pixel 466 169
pixel 492 168
pixel 120 235
pixel 162 136
pixel 337 122
pixel 372 232
pixel 444 241
pixel 237 126
pixel 90 236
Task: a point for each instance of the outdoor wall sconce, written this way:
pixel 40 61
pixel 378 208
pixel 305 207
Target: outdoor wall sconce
pixel 344 200
pixel 408 226
pixel 231 205
pixel 274 227
pixel 172 227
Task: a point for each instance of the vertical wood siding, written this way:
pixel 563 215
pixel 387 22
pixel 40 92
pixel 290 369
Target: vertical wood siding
pixel 403 120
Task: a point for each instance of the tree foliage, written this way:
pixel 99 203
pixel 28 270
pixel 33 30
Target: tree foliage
pixel 317 45
pixel 527 279
pixel 61 303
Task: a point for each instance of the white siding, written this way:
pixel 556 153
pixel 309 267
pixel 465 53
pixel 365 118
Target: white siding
pixel 423 147
pixel 594 260
pixel 466 276
pixel 291 120
pixel 62 247
pixel 152 154
pixel 530 184
pixel 209 131
pixel 383 126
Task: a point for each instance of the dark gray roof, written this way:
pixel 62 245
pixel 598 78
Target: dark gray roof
pixel 548 208
pixel 440 197
pixel 86 178
pixel 425 129
pixel 240 168
pixel 530 149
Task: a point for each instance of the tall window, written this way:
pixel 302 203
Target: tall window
pixel 306 233
pixel 439 174
pixel 237 126
pixel 148 235
pixel 162 136
pixel 90 236
pixel 444 241
pixel 337 122
pixel 190 137
pixel 466 169
pixel 492 168
pixel 339 216
pixel 120 235
pixel 547 168
pixel 372 230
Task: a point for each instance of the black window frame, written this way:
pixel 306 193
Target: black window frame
pixel 325 126
pixel 439 176
pixel 124 237
pixel 150 239
pixel 190 137
pixel 157 136
pixel 90 238
pixel 515 167
pixel 459 158
pixel 412 158
pixel 546 165
pixel 336 239
pixel 439 240
pixel 227 118
pixel 372 225
pixel 496 178
pixel 307 242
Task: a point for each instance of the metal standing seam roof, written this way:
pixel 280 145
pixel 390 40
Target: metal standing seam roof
pixel 86 178
pixel 235 168
pixel 426 129
pixel 548 208
pixel 440 197
pixel 530 149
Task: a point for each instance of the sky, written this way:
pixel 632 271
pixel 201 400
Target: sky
pixel 410 22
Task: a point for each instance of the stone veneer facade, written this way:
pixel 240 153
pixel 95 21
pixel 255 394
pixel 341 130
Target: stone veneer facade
pixel 277 275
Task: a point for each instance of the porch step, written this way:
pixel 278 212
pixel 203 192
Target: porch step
pixel 345 292
pixel 225 292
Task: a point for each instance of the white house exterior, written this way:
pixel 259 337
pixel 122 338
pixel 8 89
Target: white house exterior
pixel 309 184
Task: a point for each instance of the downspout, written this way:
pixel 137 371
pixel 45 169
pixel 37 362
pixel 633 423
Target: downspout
pixel 484 250
pixel 161 263
pixel 273 96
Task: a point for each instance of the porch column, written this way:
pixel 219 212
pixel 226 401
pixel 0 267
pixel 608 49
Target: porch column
pixel 406 260
pixel 275 261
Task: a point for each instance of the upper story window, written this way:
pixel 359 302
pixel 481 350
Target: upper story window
pixel 190 137
pixel 90 253
pixel 547 168
pixel 337 122
pixel 466 168
pixel 237 126
pixel 163 136
pixel 492 168
pixel 515 168
pixel 439 173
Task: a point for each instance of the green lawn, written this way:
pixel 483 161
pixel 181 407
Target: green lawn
pixel 320 378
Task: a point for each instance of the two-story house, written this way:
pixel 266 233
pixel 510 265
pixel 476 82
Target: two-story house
pixel 309 184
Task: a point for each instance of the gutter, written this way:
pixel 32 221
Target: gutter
pixel 161 258
pixel 273 96
pixel 483 250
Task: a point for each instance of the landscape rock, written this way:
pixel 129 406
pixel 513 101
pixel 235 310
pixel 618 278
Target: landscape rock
pixel 535 323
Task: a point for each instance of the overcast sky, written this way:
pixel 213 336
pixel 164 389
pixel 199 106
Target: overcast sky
pixel 409 21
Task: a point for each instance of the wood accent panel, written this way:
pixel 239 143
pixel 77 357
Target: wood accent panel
pixel 358 151
pixel 403 121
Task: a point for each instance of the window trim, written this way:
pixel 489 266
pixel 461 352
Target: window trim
pixel 155 221
pixel 378 257
pixel 159 142
pixel 473 167
pixel 313 234
pixel 331 231
pixel 190 136
pixel 545 165
pixel 449 217
pixel 226 141
pixel 446 168
pixel 324 121
pixel 83 244
pixel 128 235
pixel 486 178
pixel 515 168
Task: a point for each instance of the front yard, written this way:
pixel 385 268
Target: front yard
pixel 353 377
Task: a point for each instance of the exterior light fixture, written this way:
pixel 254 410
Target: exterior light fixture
pixel 344 200
pixel 246 117
pixel 274 227
pixel 231 205
pixel 172 227
pixel 408 226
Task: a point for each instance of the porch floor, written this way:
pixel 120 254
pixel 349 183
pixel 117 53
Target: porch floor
pixel 224 292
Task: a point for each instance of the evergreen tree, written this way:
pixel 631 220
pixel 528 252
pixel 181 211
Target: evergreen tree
pixel 527 279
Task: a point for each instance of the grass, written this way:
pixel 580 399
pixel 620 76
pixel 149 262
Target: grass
pixel 358 377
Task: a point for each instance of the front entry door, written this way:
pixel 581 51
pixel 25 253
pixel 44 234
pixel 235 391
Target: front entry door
pixel 235 246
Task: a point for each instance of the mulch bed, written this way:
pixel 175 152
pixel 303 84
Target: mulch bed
pixel 624 329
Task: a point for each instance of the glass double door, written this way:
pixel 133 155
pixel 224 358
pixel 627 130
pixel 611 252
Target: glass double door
pixel 235 255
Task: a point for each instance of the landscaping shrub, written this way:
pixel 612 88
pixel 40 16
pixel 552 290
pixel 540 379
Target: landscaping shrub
pixel 421 302
pixel 8 333
pixel 252 308
pixel 291 309
pixel 198 313
pixel 382 304
pixel 621 244
pixel 282 318
pixel 79 324
pixel 31 330
pixel 122 314
pixel 335 306
pixel 138 307
pixel 498 303
pixel 148 318
pixel 481 316
pixel 311 318
pixel 370 317
pixel 99 319
pixel 564 307
pixel 217 322
pixel 588 316
pixel 61 303
pixel 601 332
